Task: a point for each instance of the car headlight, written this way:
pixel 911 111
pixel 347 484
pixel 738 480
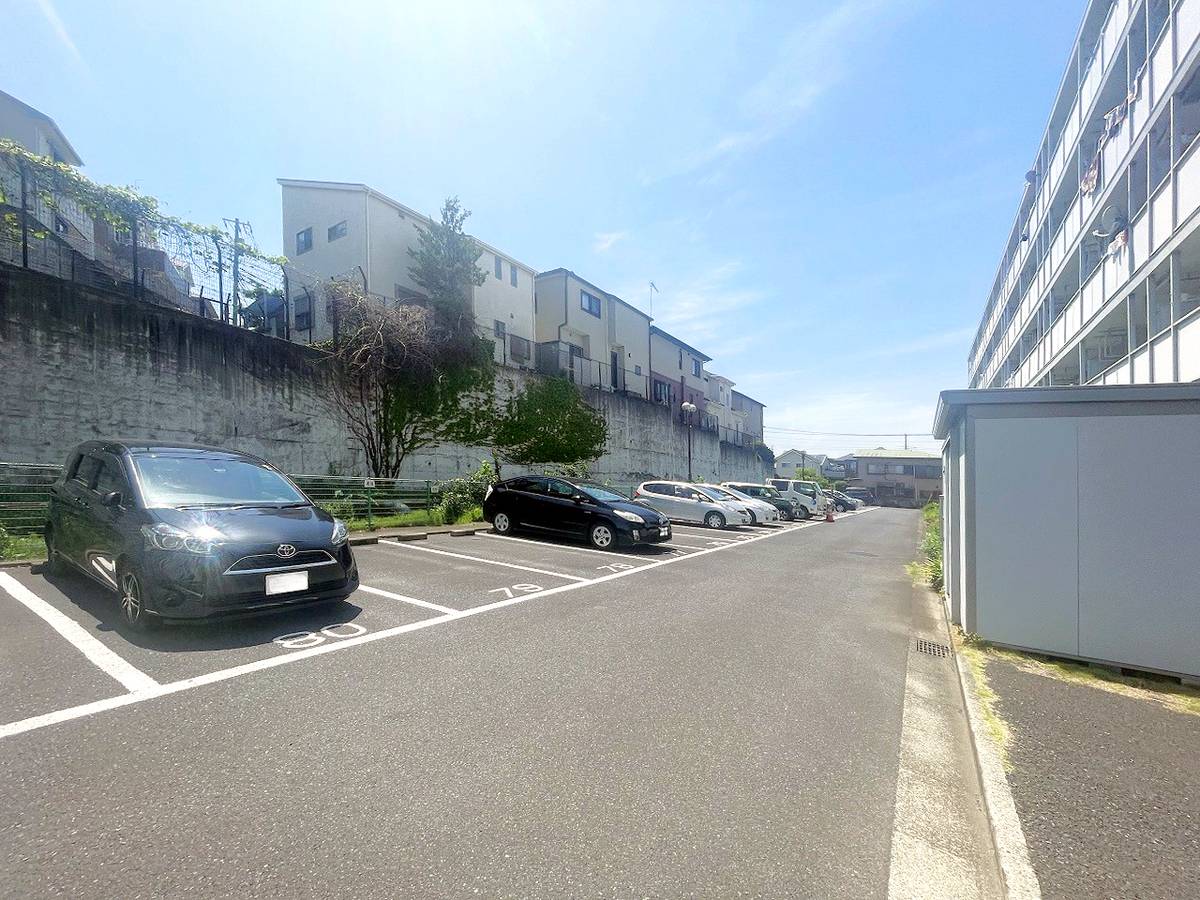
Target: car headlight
pixel 341 533
pixel 630 517
pixel 167 537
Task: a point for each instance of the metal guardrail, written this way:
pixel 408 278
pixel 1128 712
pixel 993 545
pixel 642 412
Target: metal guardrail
pixel 25 494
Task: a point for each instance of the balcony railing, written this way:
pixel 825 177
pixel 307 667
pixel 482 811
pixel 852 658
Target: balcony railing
pixel 559 358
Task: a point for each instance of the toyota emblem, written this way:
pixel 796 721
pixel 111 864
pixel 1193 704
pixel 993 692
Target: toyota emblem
pixel 285 551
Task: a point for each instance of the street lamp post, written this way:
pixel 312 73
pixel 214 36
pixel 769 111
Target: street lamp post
pixel 688 410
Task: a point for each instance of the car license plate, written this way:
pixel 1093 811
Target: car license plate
pixel 287 582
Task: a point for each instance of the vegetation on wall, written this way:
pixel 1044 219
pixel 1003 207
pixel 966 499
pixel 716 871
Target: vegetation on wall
pixel 416 375
pixel 547 423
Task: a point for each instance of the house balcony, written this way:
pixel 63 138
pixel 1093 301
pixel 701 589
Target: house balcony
pixel 568 360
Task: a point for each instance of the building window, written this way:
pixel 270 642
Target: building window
pixel 337 231
pixel 303 241
pixel 589 303
pixel 876 468
pixel 662 392
pixel 512 274
pixel 61 226
pixel 637 370
pixel 499 267
pixel 696 367
pixel 680 360
pixel 499 329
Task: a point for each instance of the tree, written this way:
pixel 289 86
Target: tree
pixel 547 423
pixel 415 375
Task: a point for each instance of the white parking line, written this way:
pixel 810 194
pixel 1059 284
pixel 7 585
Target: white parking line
pixel 150 693
pixel 131 679
pixel 491 562
pixel 508 537
pixel 413 600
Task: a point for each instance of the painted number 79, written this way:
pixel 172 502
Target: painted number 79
pixel 518 588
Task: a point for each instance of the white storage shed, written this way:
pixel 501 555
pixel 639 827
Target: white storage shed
pixel 1071 520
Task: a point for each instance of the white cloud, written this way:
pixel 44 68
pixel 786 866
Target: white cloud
pixel 60 29
pixel 605 240
pixel 812 58
pixel 704 309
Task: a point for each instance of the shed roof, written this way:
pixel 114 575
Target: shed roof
pixel 881 453
pixel 952 403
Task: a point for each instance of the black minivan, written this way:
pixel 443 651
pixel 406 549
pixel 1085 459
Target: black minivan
pixel 188 532
pixel 579 509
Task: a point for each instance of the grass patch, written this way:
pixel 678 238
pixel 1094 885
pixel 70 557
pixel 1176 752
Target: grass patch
pixel 22 546
pixel 928 569
pixel 416 517
pixel 975 652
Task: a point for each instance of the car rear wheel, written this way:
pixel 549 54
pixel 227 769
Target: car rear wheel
pixel 54 560
pixel 714 520
pixel 602 536
pixel 502 523
pixel 133 603
pixel 805 513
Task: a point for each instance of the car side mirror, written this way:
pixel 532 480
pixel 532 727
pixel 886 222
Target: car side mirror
pixel 112 498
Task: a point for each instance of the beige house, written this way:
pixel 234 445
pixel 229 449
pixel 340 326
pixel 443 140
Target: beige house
pixel 594 336
pixel 336 229
pixel 897 477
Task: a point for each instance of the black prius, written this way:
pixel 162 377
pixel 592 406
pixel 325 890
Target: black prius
pixel 605 517
pixel 188 532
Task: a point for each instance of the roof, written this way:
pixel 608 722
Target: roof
pixel 561 271
pixel 751 399
pixel 881 453
pixel 76 160
pixel 146 446
pixel 667 336
pixel 951 403
pixel 384 198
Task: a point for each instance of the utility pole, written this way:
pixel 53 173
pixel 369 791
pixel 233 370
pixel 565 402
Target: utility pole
pixel 237 239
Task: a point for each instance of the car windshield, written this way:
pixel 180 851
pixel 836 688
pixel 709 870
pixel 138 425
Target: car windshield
pixel 168 480
pixel 597 492
pixel 713 493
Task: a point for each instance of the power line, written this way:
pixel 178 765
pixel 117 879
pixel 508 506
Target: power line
pixel 913 434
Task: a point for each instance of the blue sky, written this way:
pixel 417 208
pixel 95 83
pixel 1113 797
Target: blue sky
pixel 820 190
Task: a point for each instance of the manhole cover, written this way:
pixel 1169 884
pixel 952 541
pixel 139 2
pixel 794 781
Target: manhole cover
pixel 932 648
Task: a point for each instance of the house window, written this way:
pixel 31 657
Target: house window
pixel 876 469
pixel 499 329
pixel 499 267
pixel 337 231
pixel 637 370
pixel 61 226
pixel 589 303
pixel 696 367
pixel 662 392
pixel 680 360
pixel 512 274
pixel 303 241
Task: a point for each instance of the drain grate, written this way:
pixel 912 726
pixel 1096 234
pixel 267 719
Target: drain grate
pixel 932 648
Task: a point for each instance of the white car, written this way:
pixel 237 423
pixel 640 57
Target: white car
pixel 761 512
pixel 683 502
pixel 808 502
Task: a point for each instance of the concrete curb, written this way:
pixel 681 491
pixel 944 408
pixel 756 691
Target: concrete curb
pixel 1008 837
pixel 14 563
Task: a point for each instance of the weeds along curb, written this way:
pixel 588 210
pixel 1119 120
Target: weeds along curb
pixel 1008 837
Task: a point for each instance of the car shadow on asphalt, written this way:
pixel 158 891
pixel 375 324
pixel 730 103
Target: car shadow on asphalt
pixel 226 633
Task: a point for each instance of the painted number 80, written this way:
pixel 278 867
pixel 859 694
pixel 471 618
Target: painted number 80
pixel 302 640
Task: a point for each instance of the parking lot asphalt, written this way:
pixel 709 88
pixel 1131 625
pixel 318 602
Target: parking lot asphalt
pixel 502 716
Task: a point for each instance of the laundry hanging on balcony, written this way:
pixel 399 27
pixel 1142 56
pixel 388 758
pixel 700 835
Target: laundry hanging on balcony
pixel 1113 119
pixel 1116 247
pixel 1091 176
pixel 1135 86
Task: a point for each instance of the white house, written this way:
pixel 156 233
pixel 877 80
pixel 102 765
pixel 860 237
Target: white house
pixel 336 229
pixel 39 134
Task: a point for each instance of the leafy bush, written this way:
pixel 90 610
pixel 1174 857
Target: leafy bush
pixel 931 545
pixel 5 542
pixel 460 495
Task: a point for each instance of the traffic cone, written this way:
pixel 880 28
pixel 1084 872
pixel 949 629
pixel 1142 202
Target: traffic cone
pixel 829 513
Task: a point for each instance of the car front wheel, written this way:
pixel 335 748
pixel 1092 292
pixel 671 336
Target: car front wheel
pixel 714 520
pixel 602 536
pixel 502 523
pixel 133 603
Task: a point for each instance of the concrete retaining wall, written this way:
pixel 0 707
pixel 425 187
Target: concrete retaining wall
pixel 77 363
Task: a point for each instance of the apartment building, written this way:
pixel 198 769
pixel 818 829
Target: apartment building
pixel 746 418
pixel 897 477
pixel 1099 282
pixel 590 335
pixel 335 229
pixel 676 371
